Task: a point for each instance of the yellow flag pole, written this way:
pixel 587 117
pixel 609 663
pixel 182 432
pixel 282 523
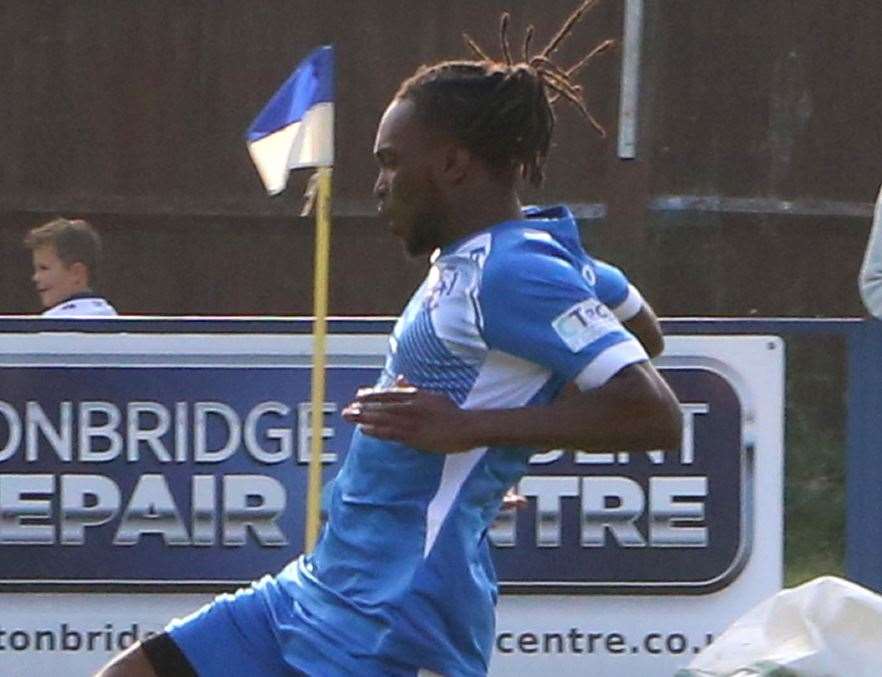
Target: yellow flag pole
pixel 322 256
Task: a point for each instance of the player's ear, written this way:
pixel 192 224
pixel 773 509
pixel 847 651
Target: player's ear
pixel 457 160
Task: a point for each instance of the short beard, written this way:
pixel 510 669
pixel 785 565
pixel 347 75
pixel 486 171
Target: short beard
pixel 428 224
pixel 425 236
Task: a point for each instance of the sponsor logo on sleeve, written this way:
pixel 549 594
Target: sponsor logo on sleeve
pixel 584 323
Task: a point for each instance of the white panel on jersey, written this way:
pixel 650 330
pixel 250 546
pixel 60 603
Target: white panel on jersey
pixel 456 469
pixel 477 248
pixel 451 293
pixel 632 304
pixel 504 381
pixel 541 235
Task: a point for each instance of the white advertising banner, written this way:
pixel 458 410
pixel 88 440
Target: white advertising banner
pixel 123 503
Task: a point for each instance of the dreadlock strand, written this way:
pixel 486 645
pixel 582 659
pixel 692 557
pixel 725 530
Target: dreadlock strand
pixel 528 38
pixel 600 49
pixel 567 27
pixel 594 123
pixel 573 94
pixel 503 111
pixel 555 81
pixel 542 63
pixel 475 47
pixel 558 92
pixel 503 38
pixel 561 82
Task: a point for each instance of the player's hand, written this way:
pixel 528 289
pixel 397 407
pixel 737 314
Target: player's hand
pixel 418 418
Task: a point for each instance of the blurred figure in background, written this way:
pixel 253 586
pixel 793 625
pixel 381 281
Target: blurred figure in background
pixel 871 270
pixel 66 255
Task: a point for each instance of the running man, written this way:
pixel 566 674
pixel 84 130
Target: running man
pixel 401 582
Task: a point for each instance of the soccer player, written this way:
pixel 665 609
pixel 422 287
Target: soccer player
pixel 401 582
pixel 66 254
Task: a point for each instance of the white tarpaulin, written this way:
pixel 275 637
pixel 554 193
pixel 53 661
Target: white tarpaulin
pixel 827 627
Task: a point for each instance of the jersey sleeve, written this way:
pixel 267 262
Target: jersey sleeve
pixel 616 291
pixel 537 305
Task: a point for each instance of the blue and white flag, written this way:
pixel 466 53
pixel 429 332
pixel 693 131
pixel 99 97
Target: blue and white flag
pixel 296 128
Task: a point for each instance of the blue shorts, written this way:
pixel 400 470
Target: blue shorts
pixel 249 633
pixel 232 636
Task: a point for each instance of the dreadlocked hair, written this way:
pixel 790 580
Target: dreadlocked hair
pixel 503 111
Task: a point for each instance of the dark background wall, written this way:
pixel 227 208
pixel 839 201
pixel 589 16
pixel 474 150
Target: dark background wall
pixel 760 136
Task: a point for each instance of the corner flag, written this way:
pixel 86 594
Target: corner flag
pixel 296 128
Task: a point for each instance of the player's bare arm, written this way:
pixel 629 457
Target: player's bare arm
pixel 646 328
pixel 635 410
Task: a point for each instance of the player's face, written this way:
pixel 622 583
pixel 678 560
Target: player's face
pixel 54 280
pixel 409 196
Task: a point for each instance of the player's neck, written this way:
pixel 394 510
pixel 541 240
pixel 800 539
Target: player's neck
pixel 483 211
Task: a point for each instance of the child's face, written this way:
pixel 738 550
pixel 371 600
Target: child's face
pixel 54 279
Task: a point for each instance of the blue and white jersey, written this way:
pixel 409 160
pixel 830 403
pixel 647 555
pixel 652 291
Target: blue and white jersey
pixel 402 578
pixel 610 284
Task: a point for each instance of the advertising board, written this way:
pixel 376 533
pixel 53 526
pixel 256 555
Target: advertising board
pixel 140 474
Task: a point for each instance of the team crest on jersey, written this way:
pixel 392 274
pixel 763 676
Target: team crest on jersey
pixel 589 274
pixel 442 282
pixel 584 323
